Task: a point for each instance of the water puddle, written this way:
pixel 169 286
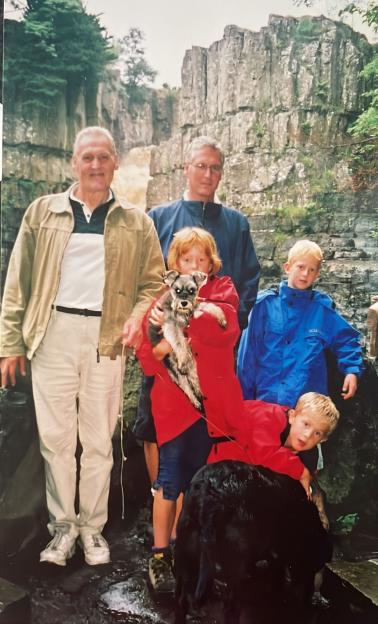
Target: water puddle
pixel 126 602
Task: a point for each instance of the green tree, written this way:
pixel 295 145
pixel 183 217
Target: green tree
pixel 367 123
pixel 364 129
pixel 136 72
pixel 56 46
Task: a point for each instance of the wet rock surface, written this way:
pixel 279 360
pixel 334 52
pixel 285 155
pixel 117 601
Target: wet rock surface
pixel 118 592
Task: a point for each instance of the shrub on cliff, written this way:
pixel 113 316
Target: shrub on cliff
pixel 56 46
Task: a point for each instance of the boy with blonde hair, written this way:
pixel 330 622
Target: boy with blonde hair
pixel 279 437
pixel 282 353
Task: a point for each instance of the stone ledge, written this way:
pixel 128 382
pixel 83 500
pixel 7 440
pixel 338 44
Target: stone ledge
pixel 14 604
pixel 355 586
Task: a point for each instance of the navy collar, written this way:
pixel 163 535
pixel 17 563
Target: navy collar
pixel 198 208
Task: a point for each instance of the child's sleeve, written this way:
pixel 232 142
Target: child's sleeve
pixel 345 344
pixel 247 352
pixel 206 327
pixel 148 362
pixel 262 437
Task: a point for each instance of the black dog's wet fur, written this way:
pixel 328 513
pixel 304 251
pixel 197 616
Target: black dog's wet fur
pixel 250 528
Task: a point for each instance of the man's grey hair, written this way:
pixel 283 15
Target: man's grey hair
pixel 93 130
pixel 199 143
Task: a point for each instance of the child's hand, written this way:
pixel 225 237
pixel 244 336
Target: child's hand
pixel 162 349
pixel 156 316
pixel 349 386
pixel 305 481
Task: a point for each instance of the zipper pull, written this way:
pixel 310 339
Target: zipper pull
pixel 98 356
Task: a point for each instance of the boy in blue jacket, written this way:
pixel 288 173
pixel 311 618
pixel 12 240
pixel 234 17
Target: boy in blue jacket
pixel 282 353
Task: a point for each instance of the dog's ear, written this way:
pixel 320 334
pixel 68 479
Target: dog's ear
pixel 199 278
pixel 169 277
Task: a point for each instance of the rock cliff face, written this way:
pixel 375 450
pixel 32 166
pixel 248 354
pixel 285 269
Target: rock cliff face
pixel 37 146
pixel 279 101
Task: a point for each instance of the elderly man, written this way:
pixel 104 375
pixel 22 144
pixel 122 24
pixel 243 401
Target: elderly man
pixel 82 274
pixel 203 170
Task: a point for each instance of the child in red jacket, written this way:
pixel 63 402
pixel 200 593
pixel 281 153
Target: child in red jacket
pixel 280 438
pixel 185 435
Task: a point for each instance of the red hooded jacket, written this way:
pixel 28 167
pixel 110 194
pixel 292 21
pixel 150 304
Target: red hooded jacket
pixel 259 432
pixel 213 350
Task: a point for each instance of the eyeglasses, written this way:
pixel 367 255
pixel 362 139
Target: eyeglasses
pixel 212 168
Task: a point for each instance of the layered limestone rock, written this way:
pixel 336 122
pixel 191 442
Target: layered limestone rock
pixel 279 101
pixel 38 143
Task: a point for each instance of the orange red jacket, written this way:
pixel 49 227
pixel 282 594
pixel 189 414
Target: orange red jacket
pixel 213 350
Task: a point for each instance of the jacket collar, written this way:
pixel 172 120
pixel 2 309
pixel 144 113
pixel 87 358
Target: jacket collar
pixel 65 204
pixel 198 208
pixel 295 294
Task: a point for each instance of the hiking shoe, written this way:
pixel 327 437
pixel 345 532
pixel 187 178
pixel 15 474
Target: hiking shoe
pixel 320 601
pixel 160 573
pixel 61 548
pixel 96 548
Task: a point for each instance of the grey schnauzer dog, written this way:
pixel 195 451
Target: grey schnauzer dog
pixel 179 304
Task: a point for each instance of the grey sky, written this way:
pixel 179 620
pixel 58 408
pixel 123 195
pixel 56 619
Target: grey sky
pixel 173 26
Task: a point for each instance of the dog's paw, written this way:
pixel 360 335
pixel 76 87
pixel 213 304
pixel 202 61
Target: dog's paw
pixel 222 322
pixel 183 365
pixel 183 369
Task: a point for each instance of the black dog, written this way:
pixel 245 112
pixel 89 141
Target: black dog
pixel 251 529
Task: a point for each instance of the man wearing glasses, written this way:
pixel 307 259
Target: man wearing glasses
pixel 203 168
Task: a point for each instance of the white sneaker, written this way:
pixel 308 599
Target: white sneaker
pixel 96 548
pixel 61 548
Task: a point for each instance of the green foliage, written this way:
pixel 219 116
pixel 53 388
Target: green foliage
pixel 258 129
pixel 56 45
pixel 322 89
pixel 307 30
pixel 287 217
pixel 323 182
pixel 365 129
pixel 136 72
pixel 306 127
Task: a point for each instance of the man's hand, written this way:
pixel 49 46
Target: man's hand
pixel 349 386
pixel 305 481
pixel 8 368
pixel 132 333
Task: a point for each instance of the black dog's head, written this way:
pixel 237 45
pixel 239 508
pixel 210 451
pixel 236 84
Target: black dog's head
pixel 184 290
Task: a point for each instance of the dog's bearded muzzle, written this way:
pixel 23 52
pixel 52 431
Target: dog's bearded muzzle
pixel 184 306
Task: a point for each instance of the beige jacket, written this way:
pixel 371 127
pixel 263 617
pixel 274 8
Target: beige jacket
pixel 133 273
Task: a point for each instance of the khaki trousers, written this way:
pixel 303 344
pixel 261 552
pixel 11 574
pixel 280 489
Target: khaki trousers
pixel 76 396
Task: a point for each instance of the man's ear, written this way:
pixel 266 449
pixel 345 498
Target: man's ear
pixel 200 278
pixel 292 415
pixel 169 277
